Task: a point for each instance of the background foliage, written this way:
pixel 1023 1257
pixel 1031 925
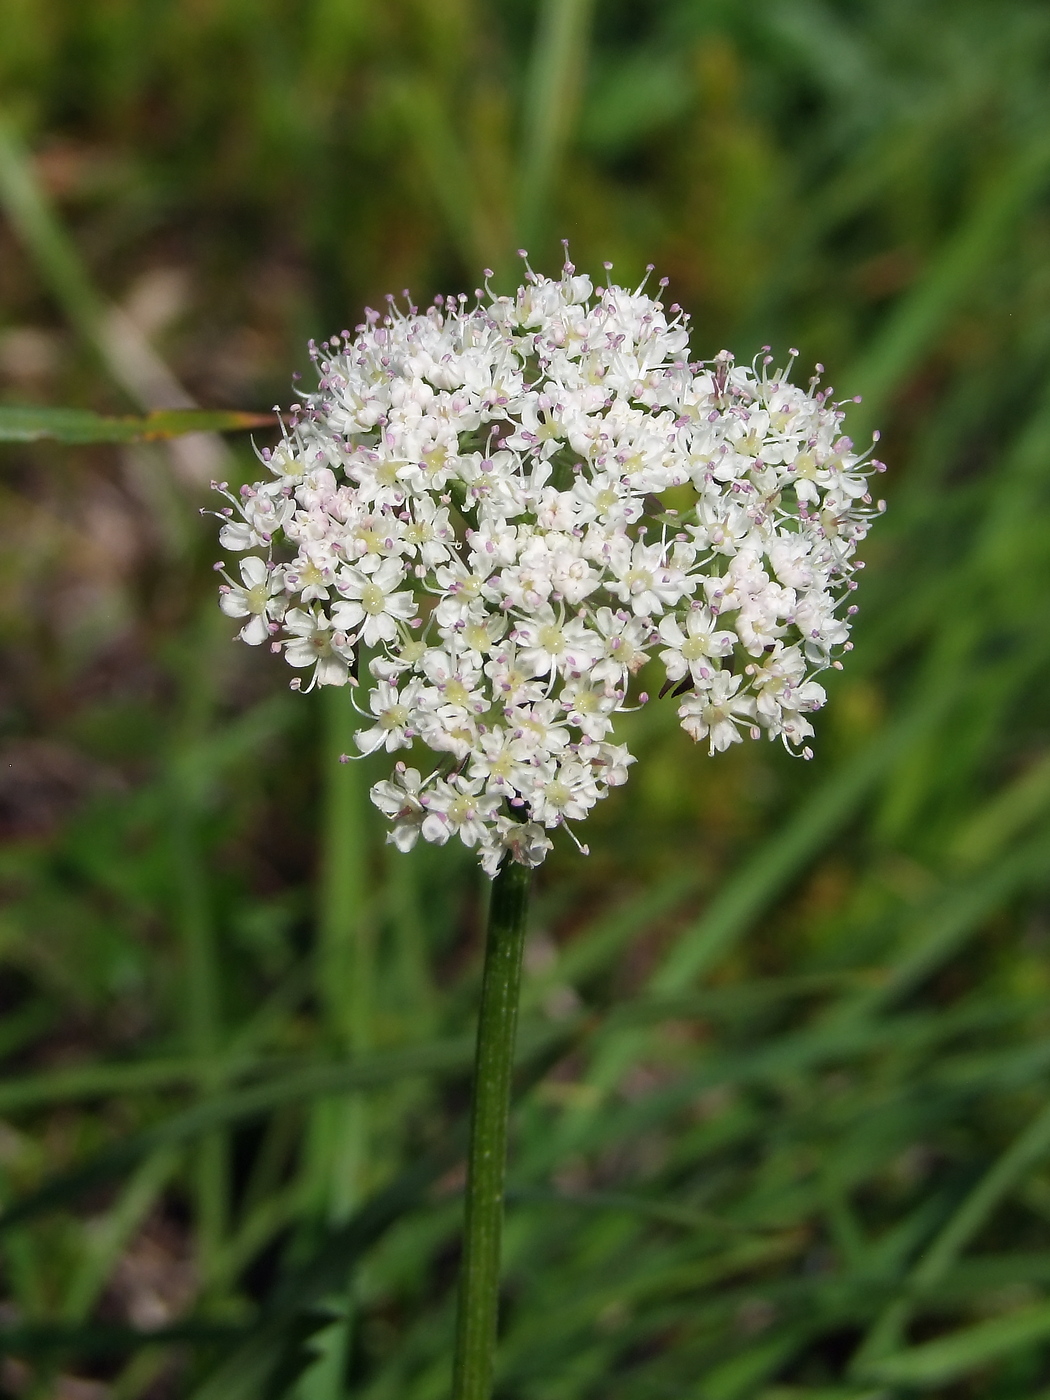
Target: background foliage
pixel 783 1129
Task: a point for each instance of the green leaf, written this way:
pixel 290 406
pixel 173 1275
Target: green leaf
pixel 108 1339
pixel 277 1343
pixel 836 1392
pixel 959 1353
pixel 49 1087
pixel 921 316
pixel 553 82
pixel 789 849
pixel 77 425
pixel 737 1377
pixel 440 1058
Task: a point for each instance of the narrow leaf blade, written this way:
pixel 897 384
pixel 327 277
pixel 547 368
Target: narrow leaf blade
pixel 77 426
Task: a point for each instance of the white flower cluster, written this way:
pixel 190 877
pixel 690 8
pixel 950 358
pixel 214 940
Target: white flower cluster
pixel 497 511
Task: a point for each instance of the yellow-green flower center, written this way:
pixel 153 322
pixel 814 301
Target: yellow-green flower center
pixel 456 693
pixel 256 598
pixel 552 639
pixel 373 599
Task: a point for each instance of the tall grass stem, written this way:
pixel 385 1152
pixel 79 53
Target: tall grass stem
pixel 555 80
pixel 345 950
pixel 195 922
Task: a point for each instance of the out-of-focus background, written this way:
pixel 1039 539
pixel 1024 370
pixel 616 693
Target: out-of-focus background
pixel 783 1128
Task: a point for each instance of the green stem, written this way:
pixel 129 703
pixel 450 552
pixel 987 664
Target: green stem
pixel 490 1112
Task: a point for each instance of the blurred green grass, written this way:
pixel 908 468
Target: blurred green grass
pixel 782 1129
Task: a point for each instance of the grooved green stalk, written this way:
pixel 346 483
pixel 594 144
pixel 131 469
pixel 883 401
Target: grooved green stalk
pixel 490 1112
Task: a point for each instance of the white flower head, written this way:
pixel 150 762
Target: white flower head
pixel 467 515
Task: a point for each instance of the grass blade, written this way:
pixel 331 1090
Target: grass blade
pixel 552 97
pixel 79 426
pixel 958 1354
pixel 448 1057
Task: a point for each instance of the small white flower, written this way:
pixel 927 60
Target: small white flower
pixel 264 509
pixel 429 535
pixel 695 649
pixel 623 639
pixel 311 642
pixel 399 799
pixel 312 574
pixel 512 681
pixel 524 842
pixel 447 729
pixel 645 580
pixel 455 682
pixel 373 603
pixel 537 730
pixel 716 712
pixel 501 762
pixel 611 762
pixel 477 633
pixel 459 807
pixel 259 597
pixel 461 588
pixel 550 643
pixel 565 792
pixel 589 709
pixel 393 711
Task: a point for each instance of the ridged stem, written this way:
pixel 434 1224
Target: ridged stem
pixel 490 1112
